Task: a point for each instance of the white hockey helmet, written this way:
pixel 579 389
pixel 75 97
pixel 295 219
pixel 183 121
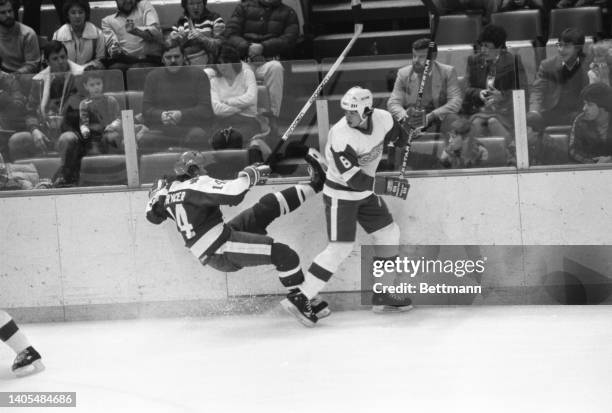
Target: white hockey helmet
pixel 358 99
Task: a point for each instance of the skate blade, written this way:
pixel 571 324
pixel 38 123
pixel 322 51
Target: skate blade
pixel 35 367
pixel 326 312
pixel 384 309
pixel 291 309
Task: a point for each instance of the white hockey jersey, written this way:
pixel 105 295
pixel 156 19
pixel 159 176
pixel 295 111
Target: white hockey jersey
pixel 353 157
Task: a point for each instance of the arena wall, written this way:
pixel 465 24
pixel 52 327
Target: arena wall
pixel 94 256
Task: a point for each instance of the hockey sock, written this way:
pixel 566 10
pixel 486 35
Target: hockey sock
pixel 323 266
pixel 272 206
pixel 290 199
pixel 287 262
pixel 315 281
pixel 11 335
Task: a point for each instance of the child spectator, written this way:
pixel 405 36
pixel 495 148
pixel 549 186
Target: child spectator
pixel 590 140
pixel 100 116
pixel 599 69
pixel 462 149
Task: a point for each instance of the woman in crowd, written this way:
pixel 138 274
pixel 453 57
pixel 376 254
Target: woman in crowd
pixel 83 40
pixel 233 91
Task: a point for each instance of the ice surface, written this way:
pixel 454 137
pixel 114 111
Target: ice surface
pixel 463 359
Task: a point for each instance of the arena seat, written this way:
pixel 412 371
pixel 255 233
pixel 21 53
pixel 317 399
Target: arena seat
pixel 46 167
pixel 560 143
pixel 520 24
pixel 155 165
pixel 424 154
pixel 496 146
pixel 458 29
pixel 103 170
pixel 226 164
pixel 455 37
pixel 134 100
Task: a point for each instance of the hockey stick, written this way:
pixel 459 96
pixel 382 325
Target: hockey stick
pixel 356 12
pixel 399 186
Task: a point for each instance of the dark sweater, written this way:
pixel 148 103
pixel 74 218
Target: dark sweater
pixel 187 90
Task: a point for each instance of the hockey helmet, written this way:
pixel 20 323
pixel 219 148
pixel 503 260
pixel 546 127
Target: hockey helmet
pixel 358 99
pixel 190 163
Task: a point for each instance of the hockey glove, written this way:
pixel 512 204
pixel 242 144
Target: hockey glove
pixel 257 173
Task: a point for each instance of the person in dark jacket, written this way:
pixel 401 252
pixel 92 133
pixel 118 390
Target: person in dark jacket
pixel 556 89
pixel 491 75
pixel 265 31
pixel 176 104
pixel 590 137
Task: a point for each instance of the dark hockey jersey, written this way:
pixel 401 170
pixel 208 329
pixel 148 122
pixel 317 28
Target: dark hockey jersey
pixel 194 207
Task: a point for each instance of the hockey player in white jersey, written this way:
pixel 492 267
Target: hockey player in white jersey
pixel 354 149
pixel 28 360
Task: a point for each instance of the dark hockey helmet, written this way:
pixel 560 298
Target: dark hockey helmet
pixel 190 163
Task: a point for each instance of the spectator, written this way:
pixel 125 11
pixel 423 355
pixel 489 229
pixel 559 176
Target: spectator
pixel 556 90
pixel 462 150
pixel 442 96
pixel 200 31
pixel 53 118
pixel 599 69
pixel 264 31
pixel 234 95
pixel 176 104
pixel 492 73
pixel 19 49
pixel 83 40
pixel 100 117
pixel 12 103
pixel 590 138
pixel 132 35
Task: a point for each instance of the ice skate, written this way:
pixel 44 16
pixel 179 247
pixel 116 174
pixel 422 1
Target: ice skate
pixel 387 303
pixel 317 168
pixel 320 307
pixel 27 362
pixel 300 307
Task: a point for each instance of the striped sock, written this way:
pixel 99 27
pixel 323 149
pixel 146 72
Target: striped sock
pixel 11 335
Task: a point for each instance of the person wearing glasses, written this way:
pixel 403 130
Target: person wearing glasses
pixel 555 94
pixel 442 96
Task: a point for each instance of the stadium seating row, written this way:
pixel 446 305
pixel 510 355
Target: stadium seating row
pixel 111 169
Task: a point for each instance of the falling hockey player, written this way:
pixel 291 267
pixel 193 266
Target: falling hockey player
pixel 193 199
pixel 354 149
pixel 28 361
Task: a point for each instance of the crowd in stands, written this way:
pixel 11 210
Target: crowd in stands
pixel 202 89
